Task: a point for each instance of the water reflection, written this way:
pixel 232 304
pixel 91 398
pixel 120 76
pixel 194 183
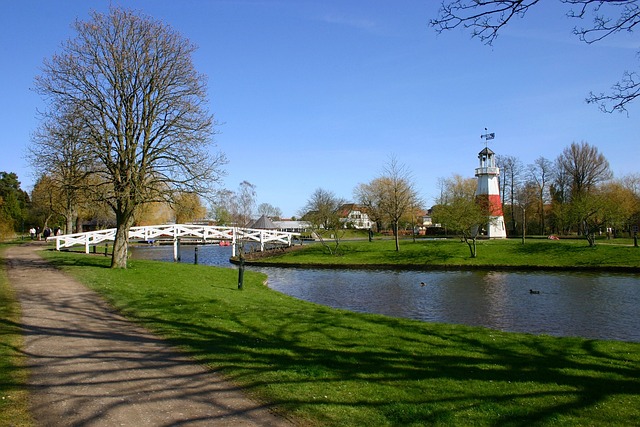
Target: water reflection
pixel 603 306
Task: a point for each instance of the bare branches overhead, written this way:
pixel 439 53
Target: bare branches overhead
pixel 486 18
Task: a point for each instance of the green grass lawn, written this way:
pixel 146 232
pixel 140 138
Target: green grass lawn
pixel 511 253
pixel 14 408
pixel 336 368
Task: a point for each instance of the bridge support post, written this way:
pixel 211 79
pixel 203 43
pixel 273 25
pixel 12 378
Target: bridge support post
pixel 176 249
pixel 234 242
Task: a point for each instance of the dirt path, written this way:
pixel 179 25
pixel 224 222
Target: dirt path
pixel 91 367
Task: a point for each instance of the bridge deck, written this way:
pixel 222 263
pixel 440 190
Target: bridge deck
pixel 178 231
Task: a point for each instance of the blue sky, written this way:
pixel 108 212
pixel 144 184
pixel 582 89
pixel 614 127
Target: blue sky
pixel 321 94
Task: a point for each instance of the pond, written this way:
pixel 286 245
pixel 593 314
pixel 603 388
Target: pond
pixel 584 304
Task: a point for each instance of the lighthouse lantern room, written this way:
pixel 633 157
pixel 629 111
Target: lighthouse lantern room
pixel 488 191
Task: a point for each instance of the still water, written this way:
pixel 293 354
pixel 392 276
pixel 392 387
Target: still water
pixel 589 305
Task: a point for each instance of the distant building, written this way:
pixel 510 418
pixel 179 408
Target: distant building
pixel 354 216
pixel 264 222
pixel 293 226
pixel 424 222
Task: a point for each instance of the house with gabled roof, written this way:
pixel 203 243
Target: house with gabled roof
pixel 355 216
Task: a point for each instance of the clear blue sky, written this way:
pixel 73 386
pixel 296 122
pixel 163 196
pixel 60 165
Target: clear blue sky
pixel 321 93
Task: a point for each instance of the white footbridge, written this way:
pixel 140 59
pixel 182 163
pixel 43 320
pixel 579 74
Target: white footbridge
pixel 200 233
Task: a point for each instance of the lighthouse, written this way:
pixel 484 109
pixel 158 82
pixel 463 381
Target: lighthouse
pixel 488 191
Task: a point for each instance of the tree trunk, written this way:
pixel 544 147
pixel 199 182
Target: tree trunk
pixel 121 242
pixel 524 225
pixel 471 242
pixel 395 232
pixel 69 224
pixel 71 217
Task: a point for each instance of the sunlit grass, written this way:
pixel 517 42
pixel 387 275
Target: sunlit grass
pixel 333 367
pixel 453 253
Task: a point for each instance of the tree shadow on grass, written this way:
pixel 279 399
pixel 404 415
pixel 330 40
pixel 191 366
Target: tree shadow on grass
pixel 449 371
pixel 347 369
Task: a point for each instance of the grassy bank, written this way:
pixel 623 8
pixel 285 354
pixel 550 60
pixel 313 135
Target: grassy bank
pixel 332 367
pixel 14 408
pixel 453 253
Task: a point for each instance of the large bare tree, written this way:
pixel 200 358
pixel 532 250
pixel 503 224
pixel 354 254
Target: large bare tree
pixel 585 166
pixel 132 80
pixel 486 18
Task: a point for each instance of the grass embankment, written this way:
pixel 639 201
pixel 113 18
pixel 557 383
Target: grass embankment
pixel 14 407
pixel 336 368
pixel 451 253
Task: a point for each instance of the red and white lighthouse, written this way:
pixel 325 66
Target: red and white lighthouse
pixel 488 192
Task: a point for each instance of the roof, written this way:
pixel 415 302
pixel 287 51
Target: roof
pixel 263 222
pixel 486 150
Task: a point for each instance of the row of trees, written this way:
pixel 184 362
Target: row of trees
pixel 14 205
pixel 46 206
pixel 575 193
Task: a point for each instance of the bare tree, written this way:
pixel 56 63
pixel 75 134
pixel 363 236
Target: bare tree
pixel 246 203
pixel 58 152
pixel 485 19
pixel 131 79
pixel 269 210
pixel 399 196
pixel 322 211
pixel 237 207
pixel 540 173
pixel 585 166
pixel 511 171
pixel 368 195
pixel 526 198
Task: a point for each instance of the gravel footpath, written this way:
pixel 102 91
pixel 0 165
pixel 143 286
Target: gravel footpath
pixel 91 367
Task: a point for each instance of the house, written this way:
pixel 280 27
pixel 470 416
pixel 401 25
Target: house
pixel 425 223
pixel 354 216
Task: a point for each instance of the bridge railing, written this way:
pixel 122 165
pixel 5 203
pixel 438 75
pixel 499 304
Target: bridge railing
pixel 177 231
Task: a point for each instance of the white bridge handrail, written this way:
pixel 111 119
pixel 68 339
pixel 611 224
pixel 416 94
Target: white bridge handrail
pixel 177 231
